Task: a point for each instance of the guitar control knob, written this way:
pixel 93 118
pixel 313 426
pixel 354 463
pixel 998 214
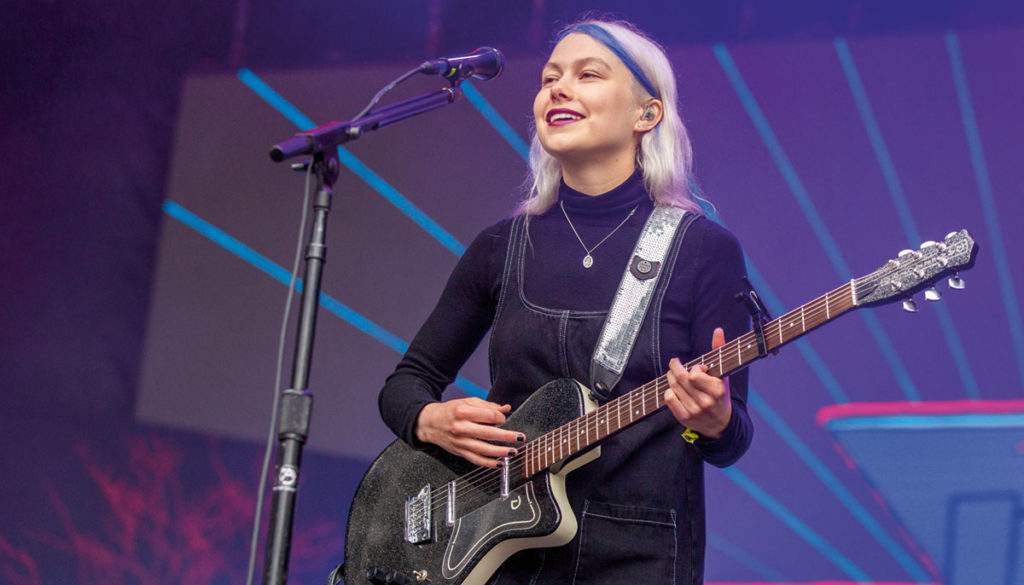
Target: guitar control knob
pixel 398 578
pixel 909 306
pixel 956 282
pixel 376 575
pixel 932 294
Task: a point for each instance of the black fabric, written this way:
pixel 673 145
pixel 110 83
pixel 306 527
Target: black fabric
pixel 526 278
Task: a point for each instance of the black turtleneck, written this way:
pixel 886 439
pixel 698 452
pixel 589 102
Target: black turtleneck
pixel 555 275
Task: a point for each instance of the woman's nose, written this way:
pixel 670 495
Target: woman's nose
pixel 559 90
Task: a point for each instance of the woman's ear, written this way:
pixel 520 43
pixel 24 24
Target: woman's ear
pixel 651 115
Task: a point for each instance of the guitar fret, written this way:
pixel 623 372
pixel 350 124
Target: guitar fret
pixel 576 436
pixel 608 418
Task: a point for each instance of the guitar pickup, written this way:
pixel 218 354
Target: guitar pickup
pixel 417 517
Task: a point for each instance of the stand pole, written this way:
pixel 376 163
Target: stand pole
pixel 297 401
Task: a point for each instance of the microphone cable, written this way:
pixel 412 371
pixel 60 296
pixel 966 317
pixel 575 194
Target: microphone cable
pixel 380 94
pixel 261 492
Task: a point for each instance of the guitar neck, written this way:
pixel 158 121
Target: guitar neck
pixel 615 415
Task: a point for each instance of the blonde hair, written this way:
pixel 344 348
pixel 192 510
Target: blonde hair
pixel 664 155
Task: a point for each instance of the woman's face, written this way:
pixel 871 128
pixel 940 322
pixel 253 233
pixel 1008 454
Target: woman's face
pixel 587 109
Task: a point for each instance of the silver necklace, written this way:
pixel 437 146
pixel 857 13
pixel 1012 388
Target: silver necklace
pixel 588 260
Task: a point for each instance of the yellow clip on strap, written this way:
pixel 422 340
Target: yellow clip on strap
pixel 690 435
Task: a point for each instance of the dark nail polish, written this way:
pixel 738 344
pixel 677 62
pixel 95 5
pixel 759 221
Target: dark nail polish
pixel 520 438
pixel 500 464
pixel 511 452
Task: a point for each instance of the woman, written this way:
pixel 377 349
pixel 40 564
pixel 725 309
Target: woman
pixel 609 146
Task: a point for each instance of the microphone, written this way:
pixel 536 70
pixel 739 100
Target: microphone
pixel 483 63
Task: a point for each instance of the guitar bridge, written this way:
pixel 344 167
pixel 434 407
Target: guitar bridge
pixel 417 517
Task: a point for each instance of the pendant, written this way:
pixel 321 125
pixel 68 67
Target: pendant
pixel 588 261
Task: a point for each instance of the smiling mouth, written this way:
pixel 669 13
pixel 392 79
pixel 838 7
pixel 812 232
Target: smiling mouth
pixel 563 117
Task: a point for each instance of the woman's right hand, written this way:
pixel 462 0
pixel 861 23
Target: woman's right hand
pixel 468 427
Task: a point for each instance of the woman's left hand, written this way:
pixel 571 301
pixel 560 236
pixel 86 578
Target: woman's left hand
pixel 698 401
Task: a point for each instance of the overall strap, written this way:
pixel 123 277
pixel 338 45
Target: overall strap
pixel 621 327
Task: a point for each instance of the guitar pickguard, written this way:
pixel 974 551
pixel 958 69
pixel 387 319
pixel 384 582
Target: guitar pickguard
pixel 494 522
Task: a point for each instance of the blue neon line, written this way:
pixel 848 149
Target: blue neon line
pixel 796 525
pixel 956 347
pixel 806 455
pixel 775 306
pixel 867 115
pixel 903 378
pixel 899 199
pixel 836 486
pixel 812 358
pixel 260 88
pixel 789 173
pixel 911 421
pixel 398 200
pixel 364 172
pixel 496 120
pixel 744 558
pixel 988 202
pixel 798 190
pixel 280 274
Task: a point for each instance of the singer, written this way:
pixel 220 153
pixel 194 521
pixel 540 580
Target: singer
pixel 609 149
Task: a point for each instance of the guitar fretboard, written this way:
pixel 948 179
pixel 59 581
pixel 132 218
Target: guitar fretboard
pixel 577 435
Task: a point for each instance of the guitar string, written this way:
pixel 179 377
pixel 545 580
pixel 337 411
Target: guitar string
pixel 535 449
pixel 481 476
pixel 546 442
pixel 730 353
pixel 561 435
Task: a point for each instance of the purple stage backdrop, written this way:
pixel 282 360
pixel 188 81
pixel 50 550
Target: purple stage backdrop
pixel 889 446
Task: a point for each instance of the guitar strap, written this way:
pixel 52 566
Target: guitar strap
pixel 621 327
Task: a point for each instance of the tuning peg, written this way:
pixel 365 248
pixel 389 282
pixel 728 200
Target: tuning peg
pixel 950 235
pixel 909 305
pixel 932 294
pixel 904 253
pixel 926 244
pixel 956 282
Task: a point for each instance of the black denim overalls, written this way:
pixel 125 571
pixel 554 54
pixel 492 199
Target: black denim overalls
pixel 640 505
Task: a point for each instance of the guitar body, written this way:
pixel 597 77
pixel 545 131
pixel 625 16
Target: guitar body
pixel 487 529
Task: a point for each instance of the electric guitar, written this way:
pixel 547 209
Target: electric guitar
pixel 431 517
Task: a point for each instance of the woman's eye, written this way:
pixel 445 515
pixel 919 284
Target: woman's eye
pixel 548 80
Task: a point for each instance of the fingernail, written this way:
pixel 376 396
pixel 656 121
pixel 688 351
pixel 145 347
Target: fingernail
pixel 520 438
pixel 500 464
pixel 511 452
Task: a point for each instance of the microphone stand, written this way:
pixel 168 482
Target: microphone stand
pixel 297 401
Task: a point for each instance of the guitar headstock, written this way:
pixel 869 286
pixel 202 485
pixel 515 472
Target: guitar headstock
pixel 914 270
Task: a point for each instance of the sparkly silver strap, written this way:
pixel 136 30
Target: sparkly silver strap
pixel 619 333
